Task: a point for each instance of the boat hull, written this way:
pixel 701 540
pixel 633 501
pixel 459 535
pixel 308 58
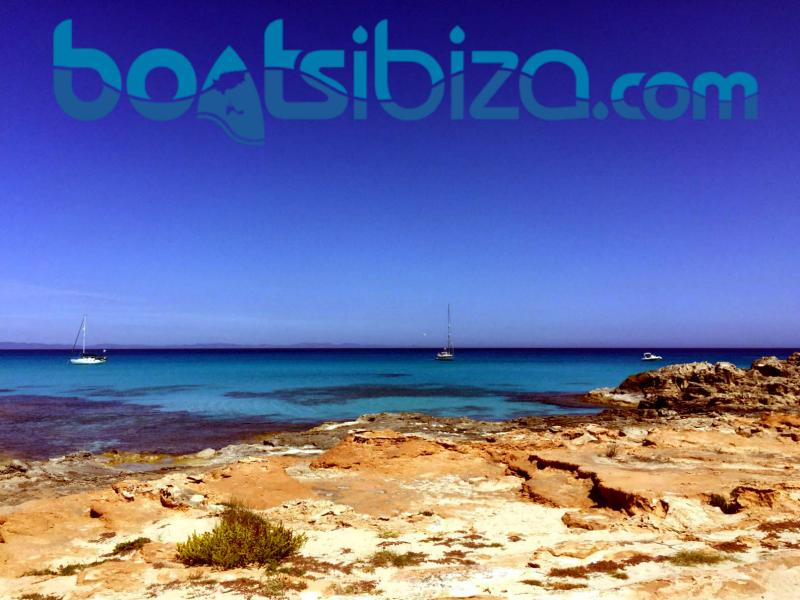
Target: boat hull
pixel 87 360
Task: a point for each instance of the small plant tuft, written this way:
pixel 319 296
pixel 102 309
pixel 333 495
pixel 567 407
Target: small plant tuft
pixel 779 526
pixel 564 586
pixel 389 534
pixel 274 586
pixel 38 573
pixel 693 558
pixel 389 558
pixel 241 538
pixel 557 585
pixel 611 451
pixel 130 546
pixel 65 570
pixel 619 575
pixel 354 588
pixel 730 546
pixel 607 567
pixel 576 572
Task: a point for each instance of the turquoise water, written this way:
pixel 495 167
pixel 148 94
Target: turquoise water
pixel 155 399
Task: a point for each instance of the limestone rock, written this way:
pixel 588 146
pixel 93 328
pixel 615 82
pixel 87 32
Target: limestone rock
pixel 554 487
pixel 158 552
pixel 126 488
pixel 749 497
pixel 589 520
pixel 173 497
pixel 99 508
pixel 769 384
pixel 586 438
pixel 572 549
pixel 770 367
pixel 686 514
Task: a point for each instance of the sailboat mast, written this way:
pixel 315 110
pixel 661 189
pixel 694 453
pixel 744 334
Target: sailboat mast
pixel 449 330
pixel 84 334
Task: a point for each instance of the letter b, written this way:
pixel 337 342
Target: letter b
pixel 384 56
pixel 65 59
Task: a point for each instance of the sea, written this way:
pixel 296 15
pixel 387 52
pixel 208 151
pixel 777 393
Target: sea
pixel 178 401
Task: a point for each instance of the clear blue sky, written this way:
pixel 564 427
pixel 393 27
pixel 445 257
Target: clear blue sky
pixel 593 233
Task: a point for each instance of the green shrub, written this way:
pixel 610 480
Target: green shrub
pixel 125 547
pixel 241 538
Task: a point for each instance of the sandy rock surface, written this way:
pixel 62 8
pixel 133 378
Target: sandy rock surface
pixel 705 506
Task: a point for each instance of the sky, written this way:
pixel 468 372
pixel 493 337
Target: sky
pixel 570 233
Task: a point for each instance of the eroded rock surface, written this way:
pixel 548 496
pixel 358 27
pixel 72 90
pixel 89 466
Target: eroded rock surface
pixel 769 384
pixel 700 506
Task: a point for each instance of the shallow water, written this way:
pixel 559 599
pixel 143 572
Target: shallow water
pixel 179 401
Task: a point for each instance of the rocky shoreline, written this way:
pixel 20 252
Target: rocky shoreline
pixel 687 484
pixel 769 384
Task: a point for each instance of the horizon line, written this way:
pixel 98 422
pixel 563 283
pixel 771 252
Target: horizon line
pixel 33 346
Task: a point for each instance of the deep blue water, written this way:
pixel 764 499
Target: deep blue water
pixel 181 400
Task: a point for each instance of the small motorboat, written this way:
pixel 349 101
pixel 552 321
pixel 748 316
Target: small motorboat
pixel 651 356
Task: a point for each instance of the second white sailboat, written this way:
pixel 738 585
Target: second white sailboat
pixel 448 352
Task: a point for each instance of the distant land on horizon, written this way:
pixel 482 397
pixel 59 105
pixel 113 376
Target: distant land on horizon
pixel 353 346
pixel 202 346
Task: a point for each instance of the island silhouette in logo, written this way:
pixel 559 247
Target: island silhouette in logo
pixel 230 99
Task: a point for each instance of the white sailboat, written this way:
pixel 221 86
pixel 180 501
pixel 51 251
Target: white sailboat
pixel 84 358
pixel 448 352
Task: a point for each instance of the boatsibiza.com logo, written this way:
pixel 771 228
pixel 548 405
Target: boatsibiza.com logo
pixel 341 80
